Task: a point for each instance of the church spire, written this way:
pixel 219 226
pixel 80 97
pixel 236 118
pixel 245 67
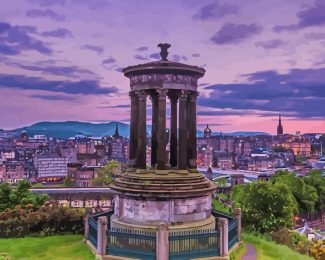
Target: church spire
pixel 116 134
pixel 280 127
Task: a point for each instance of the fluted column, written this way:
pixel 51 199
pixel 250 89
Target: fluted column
pixel 133 130
pixel 191 122
pixel 154 128
pixel 182 130
pixel 161 132
pixel 142 133
pixel 173 130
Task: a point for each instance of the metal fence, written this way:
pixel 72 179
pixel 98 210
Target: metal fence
pixel 131 243
pixel 232 233
pixel 193 244
pixel 93 229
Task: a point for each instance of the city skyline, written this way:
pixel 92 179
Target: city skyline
pixel 61 60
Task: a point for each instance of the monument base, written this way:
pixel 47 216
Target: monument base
pixel 129 224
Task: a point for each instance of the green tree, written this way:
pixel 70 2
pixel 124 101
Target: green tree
pixel 67 181
pixel 9 198
pixel 265 206
pixel 315 179
pixel 105 174
pixel 305 195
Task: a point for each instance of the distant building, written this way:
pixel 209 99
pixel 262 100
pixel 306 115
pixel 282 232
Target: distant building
pixel 207 132
pixel 51 169
pixel 280 127
pixel 14 172
pixel 81 176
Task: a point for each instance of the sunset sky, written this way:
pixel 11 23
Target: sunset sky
pixel 61 60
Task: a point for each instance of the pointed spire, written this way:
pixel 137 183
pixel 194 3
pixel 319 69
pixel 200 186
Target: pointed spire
pixel 280 127
pixel 116 134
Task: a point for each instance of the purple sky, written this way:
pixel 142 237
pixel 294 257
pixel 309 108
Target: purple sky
pixel 61 59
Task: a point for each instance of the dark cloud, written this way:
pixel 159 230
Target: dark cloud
pixel 48 13
pixel 178 58
pixel 54 97
pixel 155 56
pixel 85 87
pixel 215 11
pixel 109 61
pixel 143 48
pixel 67 71
pixel 140 57
pixel 14 39
pixel 94 48
pixel 300 93
pixel 58 33
pixel 271 44
pixel 308 17
pixel 119 69
pixel 196 55
pixel 234 33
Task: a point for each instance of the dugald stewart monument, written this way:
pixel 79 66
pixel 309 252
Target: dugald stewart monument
pixel 163 210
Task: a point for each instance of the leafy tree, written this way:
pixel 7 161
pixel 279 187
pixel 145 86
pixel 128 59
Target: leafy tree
pixel 305 195
pixel 9 198
pixel 67 181
pixel 105 174
pixel 315 179
pixel 265 206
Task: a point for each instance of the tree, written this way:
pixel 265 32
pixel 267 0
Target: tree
pixel 105 174
pixel 67 181
pixel 315 179
pixel 9 198
pixel 265 206
pixel 305 195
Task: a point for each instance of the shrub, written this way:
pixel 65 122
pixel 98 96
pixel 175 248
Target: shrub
pixel 317 250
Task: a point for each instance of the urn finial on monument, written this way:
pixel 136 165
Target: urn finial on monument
pixel 164 50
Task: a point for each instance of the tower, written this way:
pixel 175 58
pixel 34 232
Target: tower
pixel 146 195
pixel 280 127
pixel 207 132
pixel 116 134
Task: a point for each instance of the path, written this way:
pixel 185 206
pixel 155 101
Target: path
pixel 250 253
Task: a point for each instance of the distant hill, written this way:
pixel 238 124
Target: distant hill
pixel 65 130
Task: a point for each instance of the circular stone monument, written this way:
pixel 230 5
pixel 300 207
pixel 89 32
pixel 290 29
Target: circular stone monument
pixel 171 189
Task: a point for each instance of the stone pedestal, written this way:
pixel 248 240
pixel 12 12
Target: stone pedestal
pixel 162 242
pixel 238 215
pixel 101 235
pixel 223 229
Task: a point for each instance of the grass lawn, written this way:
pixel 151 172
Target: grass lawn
pixel 267 250
pixel 45 248
pixel 219 206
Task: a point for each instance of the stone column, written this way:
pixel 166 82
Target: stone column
pixel 142 131
pixel 133 130
pixel 162 242
pixel 154 128
pixel 223 229
pixel 101 235
pixel 182 132
pixel 191 122
pixel 86 224
pixel 161 132
pixel 173 131
pixel 237 213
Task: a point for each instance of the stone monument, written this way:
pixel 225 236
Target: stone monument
pixel 169 190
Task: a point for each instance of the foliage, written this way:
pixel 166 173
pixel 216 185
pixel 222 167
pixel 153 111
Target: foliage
pixel 268 250
pixel 265 206
pixel 315 179
pixel 61 247
pixel 105 174
pixel 220 207
pixel 279 149
pixel 305 195
pixel 238 253
pixel 9 197
pixel 67 181
pixel 221 182
pixel 49 219
pixel 318 250
pixel 292 239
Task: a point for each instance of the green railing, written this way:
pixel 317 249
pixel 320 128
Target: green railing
pixel 232 233
pixel 92 233
pixel 193 244
pixel 135 244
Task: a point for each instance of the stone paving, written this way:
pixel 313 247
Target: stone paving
pixel 250 253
